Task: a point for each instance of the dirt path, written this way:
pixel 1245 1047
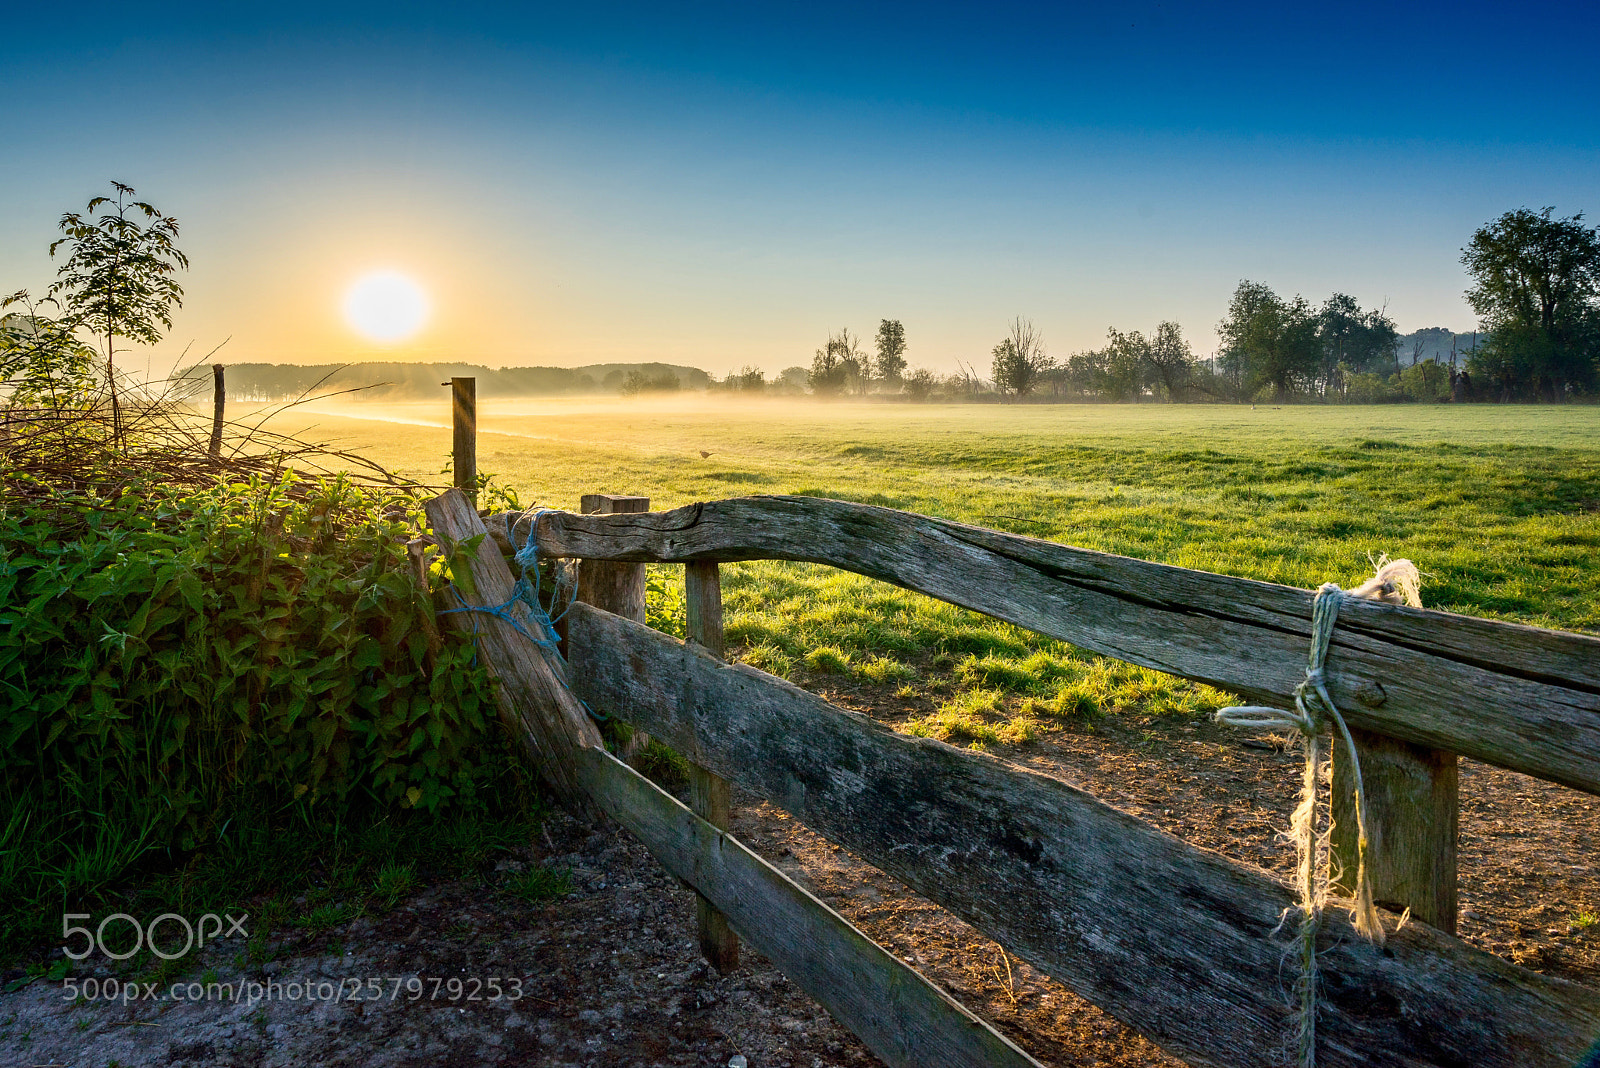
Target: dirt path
pixel 610 974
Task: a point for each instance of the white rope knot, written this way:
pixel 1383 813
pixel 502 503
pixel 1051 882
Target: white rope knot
pixel 1397 582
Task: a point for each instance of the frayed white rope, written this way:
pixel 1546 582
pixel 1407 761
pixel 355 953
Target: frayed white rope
pixel 1397 582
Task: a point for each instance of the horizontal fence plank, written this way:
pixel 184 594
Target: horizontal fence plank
pixel 1175 941
pixel 1521 697
pixel 906 1020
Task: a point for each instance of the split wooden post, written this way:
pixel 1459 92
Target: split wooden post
pixel 219 401
pixel 1412 817
pixel 532 688
pixel 464 449
pixel 709 793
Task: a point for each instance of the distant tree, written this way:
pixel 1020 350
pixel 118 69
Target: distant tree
pixel 920 383
pixel 1341 320
pixel 1536 289
pixel 118 277
pixel 1268 342
pixel 1019 359
pixel 792 380
pixel 1124 365
pixel 891 343
pixel 839 365
pixel 1171 361
pixel 1353 341
pixel 747 380
pixel 642 382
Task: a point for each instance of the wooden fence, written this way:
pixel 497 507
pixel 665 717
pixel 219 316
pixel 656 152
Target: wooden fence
pixel 1178 942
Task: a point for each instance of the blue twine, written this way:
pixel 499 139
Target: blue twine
pixel 527 592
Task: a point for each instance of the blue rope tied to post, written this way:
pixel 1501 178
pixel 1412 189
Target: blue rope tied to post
pixel 526 590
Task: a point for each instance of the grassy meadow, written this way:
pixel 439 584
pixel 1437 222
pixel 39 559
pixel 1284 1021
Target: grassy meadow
pixel 1498 506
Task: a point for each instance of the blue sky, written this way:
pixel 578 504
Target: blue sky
pixel 724 184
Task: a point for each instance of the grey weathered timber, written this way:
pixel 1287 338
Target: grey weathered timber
pixel 709 795
pixel 1521 697
pixel 1412 818
pixel 904 1019
pixel 1177 942
pixel 530 688
pixel 464 435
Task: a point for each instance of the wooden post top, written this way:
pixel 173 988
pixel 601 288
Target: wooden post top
pixel 612 504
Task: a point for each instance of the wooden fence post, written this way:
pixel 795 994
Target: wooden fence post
pixel 219 400
pixel 464 451
pixel 617 588
pixel 709 794
pixel 1412 817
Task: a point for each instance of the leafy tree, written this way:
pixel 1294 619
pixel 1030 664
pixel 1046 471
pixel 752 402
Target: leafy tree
pixel 792 380
pixel 839 365
pixel 1537 291
pixel 891 342
pixel 920 383
pixel 118 278
pixel 1353 341
pixel 1019 359
pixel 1268 341
pixel 747 379
pixel 1171 361
pixel 1123 367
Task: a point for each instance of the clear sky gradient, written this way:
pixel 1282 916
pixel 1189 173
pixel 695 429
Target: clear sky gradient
pixel 721 184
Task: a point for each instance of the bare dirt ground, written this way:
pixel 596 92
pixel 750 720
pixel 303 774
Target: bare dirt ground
pixel 610 974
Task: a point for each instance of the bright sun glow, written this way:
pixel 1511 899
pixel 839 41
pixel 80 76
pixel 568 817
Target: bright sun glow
pixel 386 306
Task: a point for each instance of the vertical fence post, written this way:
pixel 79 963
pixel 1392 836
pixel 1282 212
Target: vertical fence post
pixel 709 795
pixel 219 400
pixel 617 588
pixel 1412 816
pixel 464 418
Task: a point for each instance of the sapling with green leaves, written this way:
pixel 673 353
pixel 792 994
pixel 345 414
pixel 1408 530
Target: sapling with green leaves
pixel 119 276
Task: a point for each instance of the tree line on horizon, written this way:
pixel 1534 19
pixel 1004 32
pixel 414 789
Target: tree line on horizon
pixel 1536 290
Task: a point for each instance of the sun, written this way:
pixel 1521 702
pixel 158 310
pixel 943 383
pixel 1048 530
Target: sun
pixel 386 306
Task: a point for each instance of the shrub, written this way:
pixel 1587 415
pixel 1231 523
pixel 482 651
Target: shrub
pixel 174 657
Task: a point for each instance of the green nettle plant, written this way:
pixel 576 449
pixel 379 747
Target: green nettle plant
pixel 118 277
pixel 174 659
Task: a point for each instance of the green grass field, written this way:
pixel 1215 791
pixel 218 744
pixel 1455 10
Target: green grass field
pixel 1498 506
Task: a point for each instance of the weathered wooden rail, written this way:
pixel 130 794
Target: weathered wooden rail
pixel 1176 941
